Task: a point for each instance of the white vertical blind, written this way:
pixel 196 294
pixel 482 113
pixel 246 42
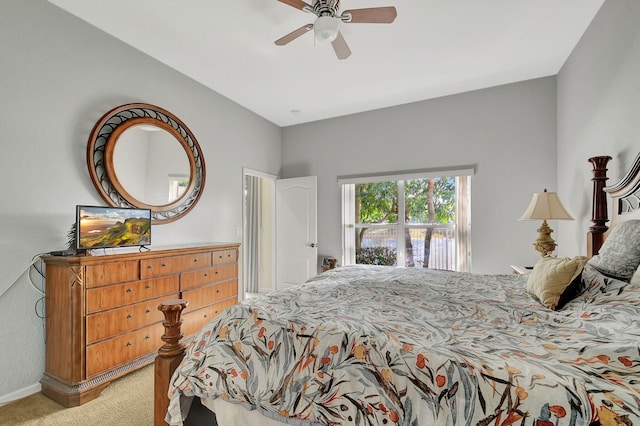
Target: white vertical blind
pixel 463 223
pixel 348 227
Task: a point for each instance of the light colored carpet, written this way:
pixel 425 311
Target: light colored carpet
pixel 126 401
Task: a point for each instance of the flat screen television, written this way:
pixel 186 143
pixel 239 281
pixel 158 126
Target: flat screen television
pixel 108 227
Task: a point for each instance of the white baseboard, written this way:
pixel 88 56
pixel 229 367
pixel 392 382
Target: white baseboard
pixel 20 393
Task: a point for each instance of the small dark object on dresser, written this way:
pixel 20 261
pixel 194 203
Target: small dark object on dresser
pixel 63 253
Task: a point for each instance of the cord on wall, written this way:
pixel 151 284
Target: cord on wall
pixel 34 260
pixel 37 269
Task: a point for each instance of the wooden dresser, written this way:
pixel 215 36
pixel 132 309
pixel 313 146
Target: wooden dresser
pixel 102 317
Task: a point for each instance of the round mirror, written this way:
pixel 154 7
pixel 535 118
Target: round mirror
pixel 151 164
pixel 142 156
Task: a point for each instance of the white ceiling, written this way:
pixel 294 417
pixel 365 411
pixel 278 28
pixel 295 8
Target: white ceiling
pixel 434 48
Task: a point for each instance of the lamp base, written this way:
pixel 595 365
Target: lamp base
pixel 545 244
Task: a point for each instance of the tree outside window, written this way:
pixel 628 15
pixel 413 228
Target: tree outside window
pixel 426 234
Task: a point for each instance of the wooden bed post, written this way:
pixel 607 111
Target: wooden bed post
pixel 169 356
pixel 595 236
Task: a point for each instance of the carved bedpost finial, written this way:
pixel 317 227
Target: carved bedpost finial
pixel 172 309
pixel 599 216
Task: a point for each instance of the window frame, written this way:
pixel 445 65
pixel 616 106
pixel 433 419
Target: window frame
pixel 462 225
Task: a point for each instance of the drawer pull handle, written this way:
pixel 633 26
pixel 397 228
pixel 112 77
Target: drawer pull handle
pixel 205 315
pixel 216 272
pixel 218 291
pixel 195 260
pixel 163 265
pixel 147 286
pixel 129 316
pixel 147 337
pixel 129 344
pixel 148 311
pixel 206 275
pixel 149 267
pixel 129 290
pixel 216 312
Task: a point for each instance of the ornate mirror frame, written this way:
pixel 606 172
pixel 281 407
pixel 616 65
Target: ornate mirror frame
pixel 101 146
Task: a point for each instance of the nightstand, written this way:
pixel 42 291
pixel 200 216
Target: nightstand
pixel 521 270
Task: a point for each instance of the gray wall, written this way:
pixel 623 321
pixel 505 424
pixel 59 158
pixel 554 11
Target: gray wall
pixel 598 110
pixel 58 76
pixel 509 132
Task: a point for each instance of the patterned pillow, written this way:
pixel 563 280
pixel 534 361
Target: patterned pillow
pixel 619 256
pixel 551 276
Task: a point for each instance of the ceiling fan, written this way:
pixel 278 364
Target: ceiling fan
pixel 326 24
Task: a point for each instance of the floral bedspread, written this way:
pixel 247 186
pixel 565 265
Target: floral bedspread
pixel 367 345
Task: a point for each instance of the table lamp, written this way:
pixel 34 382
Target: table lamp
pixel 545 206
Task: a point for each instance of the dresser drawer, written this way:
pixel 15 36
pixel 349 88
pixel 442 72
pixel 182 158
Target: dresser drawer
pixel 225 256
pixel 101 299
pixel 204 296
pixel 207 276
pixel 150 268
pixel 111 273
pixel 193 321
pixel 117 321
pixel 122 349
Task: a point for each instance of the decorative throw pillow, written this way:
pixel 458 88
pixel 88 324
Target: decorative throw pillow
pixel 619 256
pixel 551 276
pixel 573 290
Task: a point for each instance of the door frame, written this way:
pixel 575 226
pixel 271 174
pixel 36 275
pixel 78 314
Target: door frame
pixel 251 172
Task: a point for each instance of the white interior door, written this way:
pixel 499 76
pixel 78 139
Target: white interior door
pixel 296 230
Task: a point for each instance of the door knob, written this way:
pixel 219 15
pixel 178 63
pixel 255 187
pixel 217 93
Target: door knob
pixel 312 245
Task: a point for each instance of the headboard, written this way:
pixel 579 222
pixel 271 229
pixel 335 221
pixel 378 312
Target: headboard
pixel 625 198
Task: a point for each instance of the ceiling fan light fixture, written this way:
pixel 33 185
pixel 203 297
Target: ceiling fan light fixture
pixel 325 29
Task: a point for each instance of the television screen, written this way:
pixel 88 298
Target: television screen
pixel 105 227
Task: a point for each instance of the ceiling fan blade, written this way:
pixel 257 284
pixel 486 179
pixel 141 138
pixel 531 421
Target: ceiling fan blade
pixel 298 4
pixel 340 47
pixel 293 35
pixel 373 15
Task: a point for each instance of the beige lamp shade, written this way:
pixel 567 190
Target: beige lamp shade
pixel 545 205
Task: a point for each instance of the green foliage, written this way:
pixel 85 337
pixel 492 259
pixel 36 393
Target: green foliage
pixel 377 202
pixel 426 201
pixel 376 256
pixel 444 200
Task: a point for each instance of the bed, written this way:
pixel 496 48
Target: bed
pixel 370 345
